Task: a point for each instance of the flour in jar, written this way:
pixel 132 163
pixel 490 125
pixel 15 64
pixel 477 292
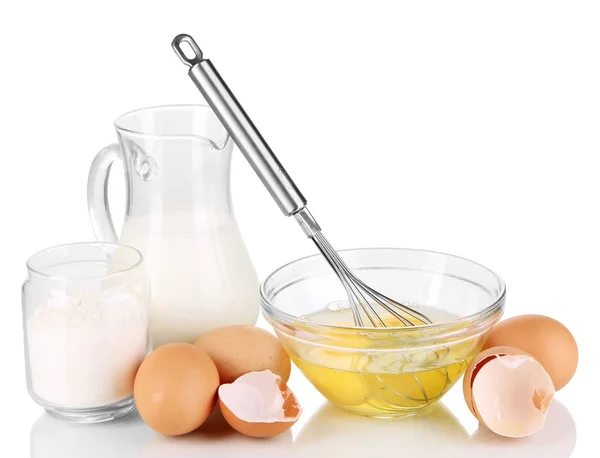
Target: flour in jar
pixel 84 348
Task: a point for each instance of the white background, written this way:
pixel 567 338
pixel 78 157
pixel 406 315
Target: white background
pixel 465 127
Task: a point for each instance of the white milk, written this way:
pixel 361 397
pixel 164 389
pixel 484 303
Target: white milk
pixel 200 273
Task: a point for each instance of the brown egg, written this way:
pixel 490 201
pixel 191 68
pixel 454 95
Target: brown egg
pixel 175 388
pixel 259 404
pixel 545 339
pixel 238 349
pixel 508 391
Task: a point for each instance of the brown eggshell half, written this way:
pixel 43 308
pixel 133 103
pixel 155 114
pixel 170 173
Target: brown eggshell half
pixel 239 349
pixel 253 396
pixel 478 362
pixel 546 339
pixel 508 391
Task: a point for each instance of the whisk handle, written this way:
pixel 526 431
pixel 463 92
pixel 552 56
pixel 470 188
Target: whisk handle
pixel 241 128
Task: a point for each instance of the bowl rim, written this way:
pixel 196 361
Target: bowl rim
pixel 271 310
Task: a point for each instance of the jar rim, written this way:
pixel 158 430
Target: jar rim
pixel 104 246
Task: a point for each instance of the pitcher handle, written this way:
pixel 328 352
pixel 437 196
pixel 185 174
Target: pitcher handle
pixel 97 193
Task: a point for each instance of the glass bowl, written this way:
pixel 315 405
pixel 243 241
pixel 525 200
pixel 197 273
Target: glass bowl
pixel 392 371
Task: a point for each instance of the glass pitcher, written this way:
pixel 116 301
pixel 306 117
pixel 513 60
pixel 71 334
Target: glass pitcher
pixel 179 215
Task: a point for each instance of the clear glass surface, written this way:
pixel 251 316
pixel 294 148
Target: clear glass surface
pixel 392 371
pixel 179 215
pixel 85 319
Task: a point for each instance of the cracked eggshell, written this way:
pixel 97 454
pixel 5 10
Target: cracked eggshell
pixel 259 404
pixel 475 365
pixel 239 349
pixel 508 391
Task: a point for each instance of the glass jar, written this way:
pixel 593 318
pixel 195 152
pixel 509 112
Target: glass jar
pixel 85 317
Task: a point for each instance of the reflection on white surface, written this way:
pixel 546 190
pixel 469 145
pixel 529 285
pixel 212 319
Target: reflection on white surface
pixel 216 439
pixel 328 432
pixel 438 433
pixel 332 431
pixel 51 438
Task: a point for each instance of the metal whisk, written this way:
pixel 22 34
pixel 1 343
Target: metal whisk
pixel 362 298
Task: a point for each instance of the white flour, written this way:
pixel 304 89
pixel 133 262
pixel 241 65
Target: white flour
pixel 84 349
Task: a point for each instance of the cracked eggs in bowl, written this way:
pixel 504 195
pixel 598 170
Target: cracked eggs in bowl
pixel 384 371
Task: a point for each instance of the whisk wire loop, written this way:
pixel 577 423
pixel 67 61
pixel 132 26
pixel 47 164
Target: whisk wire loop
pixel 363 298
